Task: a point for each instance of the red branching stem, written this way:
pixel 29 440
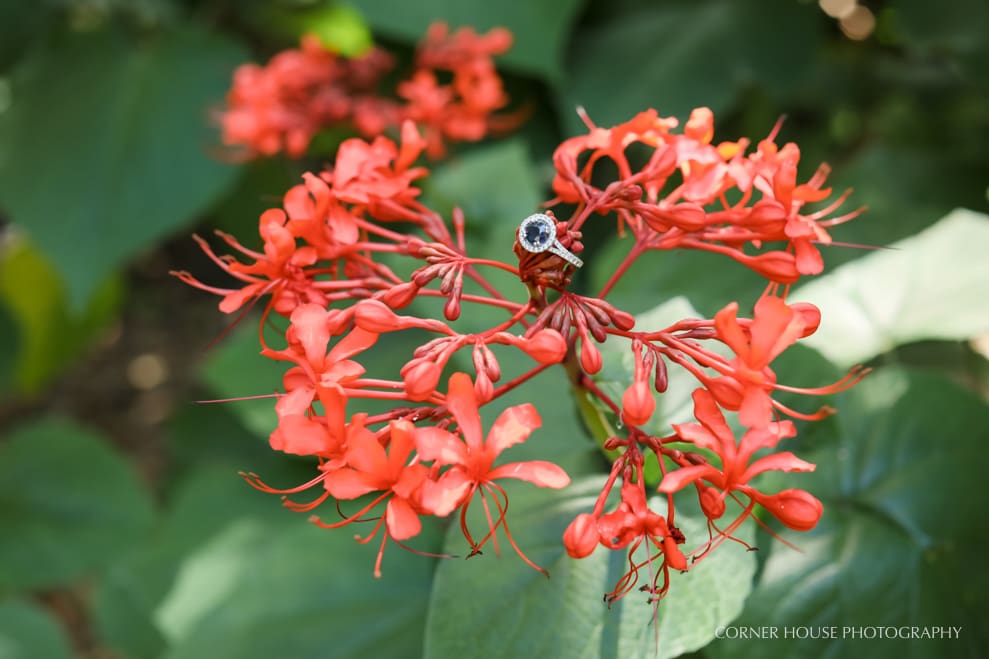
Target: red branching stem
pixel 619 272
pixel 516 381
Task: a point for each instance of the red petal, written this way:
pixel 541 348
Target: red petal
pixel 311 331
pixel 439 445
pixel 299 435
pixel 444 496
pixel 233 301
pixel 756 410
pixel 537 472
pixel 729 331
pixel 462 402
pixel 295 402
pixel 367 455
pixel 706 411
pixel 512 426
pixel 784 461
pixel 348 484
pixel 675 481
pixel 773 330
pixel 402 521
pixel 356 341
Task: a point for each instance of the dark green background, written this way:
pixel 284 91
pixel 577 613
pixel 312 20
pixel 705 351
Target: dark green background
pixel 126 532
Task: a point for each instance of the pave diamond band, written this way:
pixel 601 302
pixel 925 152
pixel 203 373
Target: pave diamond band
pixel 537 234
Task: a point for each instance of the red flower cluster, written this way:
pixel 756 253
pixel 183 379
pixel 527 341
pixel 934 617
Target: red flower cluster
pixel 282 106
pixel 328 268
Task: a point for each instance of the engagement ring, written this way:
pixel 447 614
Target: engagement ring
pixel 537 233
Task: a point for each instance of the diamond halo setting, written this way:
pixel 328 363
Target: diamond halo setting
pixel 537 234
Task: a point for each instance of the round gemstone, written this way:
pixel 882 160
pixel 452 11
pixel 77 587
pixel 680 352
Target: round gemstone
pixel 538 232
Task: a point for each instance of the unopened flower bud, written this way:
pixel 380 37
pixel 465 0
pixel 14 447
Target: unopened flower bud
pixel 375 316
pixel 483 388
pixel 421 380
pixel 810 315
pixel 590 357
pixel 622 319
pixel 398 297
pixel 711 502
pixel 778 266
pixel 545 346
pixel 797 509
pixel 581 536
pixel 638 404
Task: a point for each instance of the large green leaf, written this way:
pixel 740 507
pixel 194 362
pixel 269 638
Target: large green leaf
pixel 28 633
pixel 262 591
pixel 898 545
pixel 499 607
pixel 678 56
pixel 540 27
pixel 922 288
pixel 106 145
pixel 73 505
pixel 203 504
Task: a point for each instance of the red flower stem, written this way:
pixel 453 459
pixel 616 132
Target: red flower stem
pixel 384 395
pixel 516 317
pixel 480 299
pixel 346 284
pixel 629 259
pixel 370 382
pixel 511 384
pixel 370 227
pixel 494 264
pixel 582 216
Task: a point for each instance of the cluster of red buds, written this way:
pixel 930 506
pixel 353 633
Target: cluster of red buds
pixel 328 270
pixel 282 106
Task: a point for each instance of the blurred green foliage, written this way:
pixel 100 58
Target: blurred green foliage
pixel 109 157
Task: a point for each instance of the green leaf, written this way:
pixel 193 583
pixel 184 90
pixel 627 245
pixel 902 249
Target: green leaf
pixel 26 632
pixel 200 508
pixel 263 591
pixel 678 56
pixel 897 545
pixel 499 607
pixel 73 504
pixel 920 289
pixel 130 163
pixel 51 335
pixel 540 27
pixel 938 182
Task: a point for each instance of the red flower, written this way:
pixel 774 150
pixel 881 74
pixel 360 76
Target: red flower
pixel 470 461
pixel 369 468
pixel 774 328
pixel 737 469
